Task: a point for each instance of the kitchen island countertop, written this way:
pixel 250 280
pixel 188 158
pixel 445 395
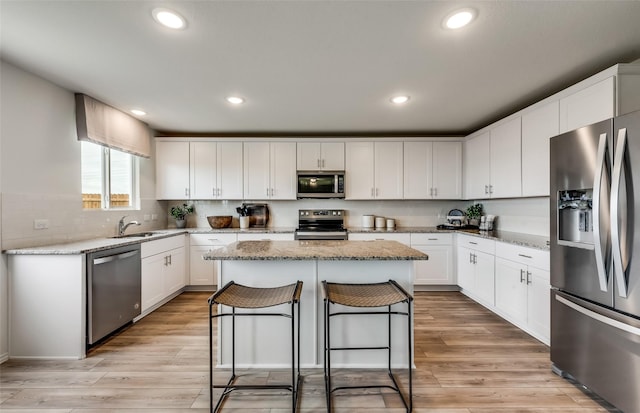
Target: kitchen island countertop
pixel 316 250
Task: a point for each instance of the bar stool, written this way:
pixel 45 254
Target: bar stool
pixel 239 296
pixel 383 294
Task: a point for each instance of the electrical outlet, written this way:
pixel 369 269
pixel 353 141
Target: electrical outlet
pixel 154 217
pixel 147 217
pixel 40 223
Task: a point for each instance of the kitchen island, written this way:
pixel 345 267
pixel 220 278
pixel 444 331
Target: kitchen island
pixel 264 342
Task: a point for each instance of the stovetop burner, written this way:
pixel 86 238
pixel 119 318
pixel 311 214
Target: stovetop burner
pixel 321 224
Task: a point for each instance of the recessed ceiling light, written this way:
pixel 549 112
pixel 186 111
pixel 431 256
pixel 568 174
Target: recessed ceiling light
pixel 235 100
pixel 459 18
pixel 169 18
pixel 138 112
pixel 399 100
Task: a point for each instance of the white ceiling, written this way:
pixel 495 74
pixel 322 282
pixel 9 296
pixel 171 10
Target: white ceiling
pixel 318 67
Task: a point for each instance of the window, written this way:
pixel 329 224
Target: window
pixel 109 178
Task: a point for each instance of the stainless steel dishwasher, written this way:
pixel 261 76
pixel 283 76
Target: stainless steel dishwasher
pixel 113 290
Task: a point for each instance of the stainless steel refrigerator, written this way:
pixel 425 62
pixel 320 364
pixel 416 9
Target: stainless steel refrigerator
pixel 595 258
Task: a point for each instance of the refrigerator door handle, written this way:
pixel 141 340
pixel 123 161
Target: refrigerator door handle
pixel 599 317
pixel 597 194
pixel 619 269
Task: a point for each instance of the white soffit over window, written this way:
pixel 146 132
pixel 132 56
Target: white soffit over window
pixel 105 125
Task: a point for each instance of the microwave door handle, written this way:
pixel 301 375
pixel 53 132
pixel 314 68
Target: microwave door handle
pixel 619 269
pixel 597 195
pixel 335 184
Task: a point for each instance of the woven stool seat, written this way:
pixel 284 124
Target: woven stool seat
pixel 365 295
pixel 240 296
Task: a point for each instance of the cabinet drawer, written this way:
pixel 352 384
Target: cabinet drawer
pixel 431 239
pixel 477 243
pixel 159 246
pixel 528 256
pixel 403 238
pixel 265 237
pixel 213 239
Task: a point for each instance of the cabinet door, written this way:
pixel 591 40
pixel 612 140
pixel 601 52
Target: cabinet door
pixel 332 156
pixel 256 170
pixel 589 105
pixel 418 170
pixel 201 272
pixel 309 158
pixel 359 183
pixel 283 170
pixel 388 170
pixel 538 302
pixel 172 170
pixel 438 269
pixel 229 170
pixel 174 271
pixel 537 127
pixel 203 170
pixel 511 289
pixel 447 170
pixel 152 288
pixel 506 165
pixel 485 278
pixel 477 167
pixel 466 269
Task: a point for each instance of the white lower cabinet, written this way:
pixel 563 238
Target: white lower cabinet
pixel 201 271
pixel 523 288
pixel 401 237
pixel 476 265
pixel 163 269
pixel 438 269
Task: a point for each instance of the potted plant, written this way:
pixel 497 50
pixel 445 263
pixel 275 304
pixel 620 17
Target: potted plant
pixel 474 212
pixel 243 211
pixel 180 214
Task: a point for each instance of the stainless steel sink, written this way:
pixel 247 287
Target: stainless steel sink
pixel 138 235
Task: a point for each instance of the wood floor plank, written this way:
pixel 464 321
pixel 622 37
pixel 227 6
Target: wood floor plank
pixel 468 360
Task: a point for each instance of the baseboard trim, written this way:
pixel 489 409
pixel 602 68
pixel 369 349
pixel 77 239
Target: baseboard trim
pixel 4 357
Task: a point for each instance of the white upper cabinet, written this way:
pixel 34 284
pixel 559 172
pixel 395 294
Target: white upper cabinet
pixel 172 170
pixel 198 170
pixel 374 170
pixel 589 105
pixel 432 170
pixel 506 178
pixel 316 156
pixel 269 170
pixel 477 173
pixel 493 163
pixel 538 126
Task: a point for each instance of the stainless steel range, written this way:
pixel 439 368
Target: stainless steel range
pixel 321 224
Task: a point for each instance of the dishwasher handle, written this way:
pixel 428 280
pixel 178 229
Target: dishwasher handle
pixel 104 260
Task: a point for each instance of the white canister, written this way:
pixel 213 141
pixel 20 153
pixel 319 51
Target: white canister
pixel 367 221
pixel 381 222
pixel 391 223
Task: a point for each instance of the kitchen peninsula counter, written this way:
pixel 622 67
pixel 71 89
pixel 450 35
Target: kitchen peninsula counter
pixel 266 343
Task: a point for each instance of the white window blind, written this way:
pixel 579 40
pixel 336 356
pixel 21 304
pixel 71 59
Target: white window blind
pixel 100 123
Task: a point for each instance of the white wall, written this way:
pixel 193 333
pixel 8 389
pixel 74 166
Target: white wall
pixel 40 174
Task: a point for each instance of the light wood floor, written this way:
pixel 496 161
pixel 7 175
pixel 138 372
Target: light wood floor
pixel 468 361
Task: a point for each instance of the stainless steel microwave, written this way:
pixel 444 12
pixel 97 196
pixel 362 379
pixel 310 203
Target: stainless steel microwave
pixel 323 184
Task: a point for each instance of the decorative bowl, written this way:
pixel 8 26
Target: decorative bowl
pixel 219 221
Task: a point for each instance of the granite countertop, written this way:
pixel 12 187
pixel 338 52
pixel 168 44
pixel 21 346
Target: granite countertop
pixel 517 238
pixel 316 250
pixel 97 244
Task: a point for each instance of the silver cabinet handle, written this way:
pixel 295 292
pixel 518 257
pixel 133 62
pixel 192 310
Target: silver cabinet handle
pixel 596 206
pixel 432 239
pixel 486 189
pixel 166 261
pixel 474 243
pixel 323 163
pixel 376 191
pixel 525 256
pixel 169 259
pixel 372 193
pixel 521 276
pixel 619 267
pixel 471 258
pixel 272 191
pixel 267 191
pixel 528 277
pixel 431 191
pixel 219 191
pixel 435 191
pixel 318 163
pixel 490 189
pixel 186 192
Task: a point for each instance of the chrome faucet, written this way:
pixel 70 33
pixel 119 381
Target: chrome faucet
pixel 122 227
